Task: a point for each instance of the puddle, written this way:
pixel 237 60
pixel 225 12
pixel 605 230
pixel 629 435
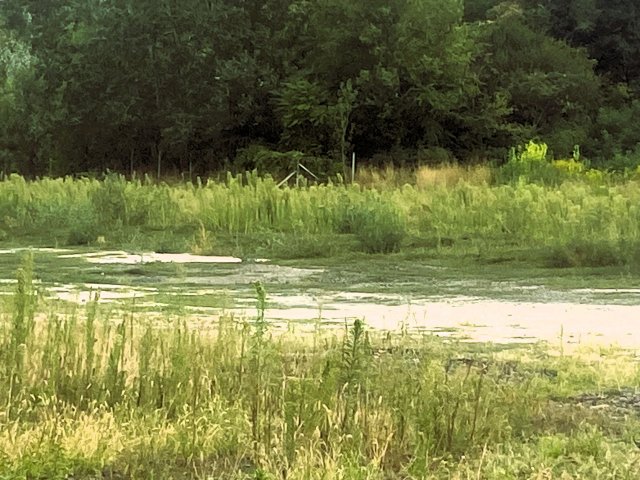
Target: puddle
pixel 125 258
pixel 471 318
pixel 10 251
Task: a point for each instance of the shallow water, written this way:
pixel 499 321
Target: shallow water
pixel 474 318
pixel 208 286
pixel 11 251
pixel 86 292
pixel 125 258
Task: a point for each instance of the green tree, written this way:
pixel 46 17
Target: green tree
pixel 144 83
pixel 550 87
pixel 162 85
pixel 28 108
pixel 410 62
pixel 608 29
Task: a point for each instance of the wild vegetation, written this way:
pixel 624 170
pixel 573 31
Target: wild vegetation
pixel 558 212
pixel 94 393
pixel 226 127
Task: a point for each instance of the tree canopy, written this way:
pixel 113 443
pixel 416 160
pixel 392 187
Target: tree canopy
pixel 168 86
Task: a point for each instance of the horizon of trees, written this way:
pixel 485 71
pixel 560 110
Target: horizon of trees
pixel 202 85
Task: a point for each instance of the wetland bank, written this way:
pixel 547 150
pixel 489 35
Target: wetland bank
pixel 296 239
pixel 246 330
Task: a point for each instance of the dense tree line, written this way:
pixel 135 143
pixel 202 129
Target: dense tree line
pixel 199 85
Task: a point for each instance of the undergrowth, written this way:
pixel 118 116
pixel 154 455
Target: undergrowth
pixel 576 220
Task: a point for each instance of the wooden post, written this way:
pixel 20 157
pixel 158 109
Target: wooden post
pixel 353 167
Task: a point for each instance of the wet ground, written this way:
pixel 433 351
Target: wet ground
pixel 443 300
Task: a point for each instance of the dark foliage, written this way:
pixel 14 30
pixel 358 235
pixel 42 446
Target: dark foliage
pixel 161 87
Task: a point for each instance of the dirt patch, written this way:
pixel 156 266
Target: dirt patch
pixel 618 401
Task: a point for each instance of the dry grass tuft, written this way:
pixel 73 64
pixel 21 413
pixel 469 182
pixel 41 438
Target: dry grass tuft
pixel 381 178
pixel 452 175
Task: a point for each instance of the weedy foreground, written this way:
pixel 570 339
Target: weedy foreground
pixel 92 393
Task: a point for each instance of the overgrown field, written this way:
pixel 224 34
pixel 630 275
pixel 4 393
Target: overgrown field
pixel 562 213
pixel 88 393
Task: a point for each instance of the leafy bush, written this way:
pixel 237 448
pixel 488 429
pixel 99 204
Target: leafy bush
pixel 616 131
pixel 378 225
pixel 569 167
pixel 627 163
pixel 532 164
pixel 586 253
pixel 110 198
pixel 528 164
pixel 84 226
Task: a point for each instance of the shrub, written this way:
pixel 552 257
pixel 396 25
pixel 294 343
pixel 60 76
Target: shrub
pixel 110 198
pixel 569 167
pixel 379 226
pixel 529 164
pixel 84 227
pixel 532 165
pixel 627 163
pixel 586 253
pixel 616 130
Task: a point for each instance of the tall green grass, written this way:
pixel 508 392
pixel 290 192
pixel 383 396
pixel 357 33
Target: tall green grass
pixel 574 222
pixel 86 394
